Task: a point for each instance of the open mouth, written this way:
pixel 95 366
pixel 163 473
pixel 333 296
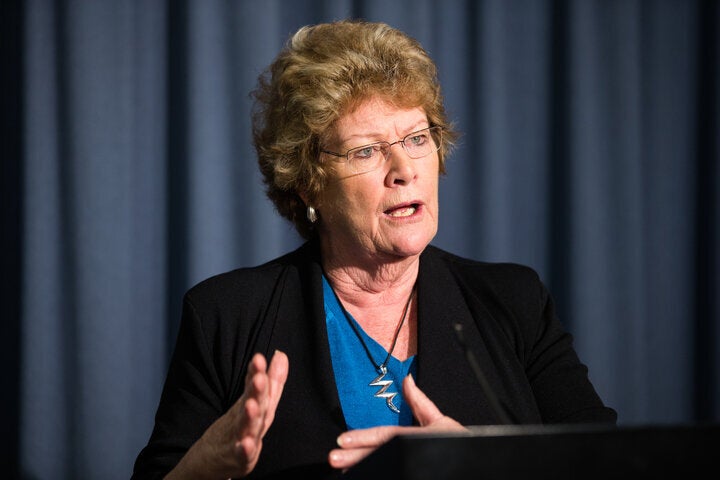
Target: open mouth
pixel 403 211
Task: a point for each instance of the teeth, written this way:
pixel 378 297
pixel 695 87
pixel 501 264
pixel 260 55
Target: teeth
pixel 403 212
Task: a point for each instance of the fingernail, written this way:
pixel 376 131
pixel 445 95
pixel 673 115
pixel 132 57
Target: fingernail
pixel 344 440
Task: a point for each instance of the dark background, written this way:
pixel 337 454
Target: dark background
pixel 589 152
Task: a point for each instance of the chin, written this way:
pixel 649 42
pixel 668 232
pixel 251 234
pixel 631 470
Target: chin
pixel 411 245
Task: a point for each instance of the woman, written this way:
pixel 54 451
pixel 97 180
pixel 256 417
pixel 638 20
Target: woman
pixel 352 136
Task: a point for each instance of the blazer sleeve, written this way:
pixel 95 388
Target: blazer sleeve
pixel 193 397
pixel 558 378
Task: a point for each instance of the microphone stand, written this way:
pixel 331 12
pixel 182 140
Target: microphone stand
pixel 500 413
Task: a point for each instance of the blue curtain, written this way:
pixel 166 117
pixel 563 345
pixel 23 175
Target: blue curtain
pixel 589 152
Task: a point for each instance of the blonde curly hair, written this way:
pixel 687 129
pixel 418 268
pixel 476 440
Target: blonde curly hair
pixel 324 71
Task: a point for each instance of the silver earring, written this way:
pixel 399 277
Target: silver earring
pixel 311 214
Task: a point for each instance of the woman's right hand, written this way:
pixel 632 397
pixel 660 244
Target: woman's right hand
pixel 231 446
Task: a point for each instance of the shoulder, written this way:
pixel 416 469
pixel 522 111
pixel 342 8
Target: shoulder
pixel 504 275
pixel 510 286
pixel 248 286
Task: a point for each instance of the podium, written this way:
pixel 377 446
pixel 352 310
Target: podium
pixel 510 452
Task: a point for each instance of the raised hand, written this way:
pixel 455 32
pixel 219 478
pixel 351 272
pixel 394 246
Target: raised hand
pixel 231 446
pixel 355 445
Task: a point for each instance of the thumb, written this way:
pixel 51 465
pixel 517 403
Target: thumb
pixel 424 410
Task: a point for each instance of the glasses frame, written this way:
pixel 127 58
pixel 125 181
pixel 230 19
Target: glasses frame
pixel 435 132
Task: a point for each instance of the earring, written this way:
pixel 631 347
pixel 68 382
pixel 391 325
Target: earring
pixel 311 214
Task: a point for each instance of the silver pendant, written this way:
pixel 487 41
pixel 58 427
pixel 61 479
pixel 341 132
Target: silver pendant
pixel 384 385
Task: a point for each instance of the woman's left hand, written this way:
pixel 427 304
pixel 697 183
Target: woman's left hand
pixel 355 445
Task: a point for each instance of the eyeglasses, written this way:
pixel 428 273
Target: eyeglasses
pixel 370 157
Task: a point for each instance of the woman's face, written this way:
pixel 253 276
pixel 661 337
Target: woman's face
pixel 388 212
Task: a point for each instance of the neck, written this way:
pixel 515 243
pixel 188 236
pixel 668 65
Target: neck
pixel 375 289
pixel 365 275
pixel 380 324
pixel 372 285
pixel 381 367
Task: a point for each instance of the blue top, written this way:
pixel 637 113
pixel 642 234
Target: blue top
pixel 354 371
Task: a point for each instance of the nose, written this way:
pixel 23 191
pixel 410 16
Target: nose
pixel 402 167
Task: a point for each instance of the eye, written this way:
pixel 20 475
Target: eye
pixel 364 153
pixel 417 139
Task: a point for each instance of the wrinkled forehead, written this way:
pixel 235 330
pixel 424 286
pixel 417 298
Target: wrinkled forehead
pixel 376 118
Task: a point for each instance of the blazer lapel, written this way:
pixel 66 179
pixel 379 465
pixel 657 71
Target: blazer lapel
pixel 300 330
pixel 444 373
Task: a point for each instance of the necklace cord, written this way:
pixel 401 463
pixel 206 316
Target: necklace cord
pixel 380 368
pixel 397 330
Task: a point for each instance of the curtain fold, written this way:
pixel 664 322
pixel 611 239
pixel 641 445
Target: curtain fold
pixel 589 151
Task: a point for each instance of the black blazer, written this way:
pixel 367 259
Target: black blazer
pixel 508 321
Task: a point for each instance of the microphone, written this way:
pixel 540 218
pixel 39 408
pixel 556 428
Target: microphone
pixel 500 413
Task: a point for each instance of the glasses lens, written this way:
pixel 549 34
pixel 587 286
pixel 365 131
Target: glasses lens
pixel 423 142
pixel 417 145
pixel 369 157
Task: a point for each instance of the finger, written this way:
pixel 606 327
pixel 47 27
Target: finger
pixel 249 444
pixel 257 365
pixel 277 375
pixel 254 409
pixel 257 388
pixel 251 425
pixel 367 437
pixel 278 372
pixel 424 409
pixel 343 458
pixel 250 408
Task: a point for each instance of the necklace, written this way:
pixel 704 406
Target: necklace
pixel 380 381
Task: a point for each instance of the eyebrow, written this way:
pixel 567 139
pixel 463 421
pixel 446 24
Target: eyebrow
pixel 369 136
